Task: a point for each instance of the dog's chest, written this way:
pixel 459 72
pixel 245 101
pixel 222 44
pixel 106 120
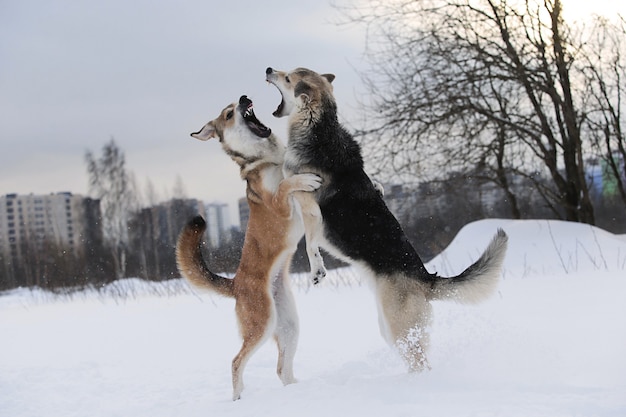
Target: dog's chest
pixel 271 177
pixel 293 162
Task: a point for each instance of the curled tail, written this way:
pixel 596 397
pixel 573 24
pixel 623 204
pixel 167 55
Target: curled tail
pixel 191 264
pixel 479 280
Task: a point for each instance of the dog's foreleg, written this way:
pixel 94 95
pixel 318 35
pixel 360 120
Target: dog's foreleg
pixel 281 201
pixel 313 229
pixel 303 185
pixel 378 187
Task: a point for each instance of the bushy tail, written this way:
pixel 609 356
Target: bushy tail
pixel 479 280
pixel 191 264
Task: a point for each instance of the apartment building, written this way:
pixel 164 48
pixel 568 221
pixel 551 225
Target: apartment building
pixel 32 220
pixel 164 221
pixel 154 231
pixel 218 224
pixel 244 213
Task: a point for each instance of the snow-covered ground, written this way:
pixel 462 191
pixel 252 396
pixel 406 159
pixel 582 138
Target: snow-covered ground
pixel 551 342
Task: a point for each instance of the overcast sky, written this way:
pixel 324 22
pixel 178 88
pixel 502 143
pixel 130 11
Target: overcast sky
pixel 74 74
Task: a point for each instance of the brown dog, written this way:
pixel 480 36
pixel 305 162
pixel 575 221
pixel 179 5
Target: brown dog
pixel 264 302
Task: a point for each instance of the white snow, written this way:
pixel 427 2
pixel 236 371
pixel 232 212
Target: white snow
pixel 551 342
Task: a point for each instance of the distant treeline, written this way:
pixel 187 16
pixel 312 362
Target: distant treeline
pixel 151 256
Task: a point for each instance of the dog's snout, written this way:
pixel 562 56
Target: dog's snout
pixel 269 70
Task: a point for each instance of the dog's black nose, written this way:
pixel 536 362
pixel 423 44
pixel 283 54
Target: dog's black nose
pixel 269 70
pixel 244 101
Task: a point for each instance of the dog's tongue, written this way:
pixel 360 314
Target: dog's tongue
pixel 255 125
pixel 258 128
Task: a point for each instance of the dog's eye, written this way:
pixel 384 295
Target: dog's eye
pixel 229 115
pixel 287 78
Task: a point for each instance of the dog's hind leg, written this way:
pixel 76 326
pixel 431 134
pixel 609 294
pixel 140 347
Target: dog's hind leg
pixel 255 318
pixel 313 229
pixel 287 327
pixel 404 317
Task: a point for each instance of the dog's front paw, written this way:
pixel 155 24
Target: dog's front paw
pixel 307 182
pixel 319 275
pixel 379 187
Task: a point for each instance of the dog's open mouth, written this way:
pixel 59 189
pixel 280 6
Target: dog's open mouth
pixel 247 112
pixel 269 77
pixel 279 110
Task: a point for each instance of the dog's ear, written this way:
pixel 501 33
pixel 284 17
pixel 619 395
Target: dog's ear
pixel 207 132
pixel 303 91
pixel 329 77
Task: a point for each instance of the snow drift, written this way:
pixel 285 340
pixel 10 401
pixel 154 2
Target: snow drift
pixel 550 343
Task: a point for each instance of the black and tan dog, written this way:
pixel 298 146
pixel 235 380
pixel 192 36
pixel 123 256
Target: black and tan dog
pixel 260 287
pixel 348 217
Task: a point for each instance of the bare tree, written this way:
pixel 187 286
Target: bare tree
pixel 487 87
pixel 151 195
pixel 179 191
pixel 110 182
pixel 605 80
